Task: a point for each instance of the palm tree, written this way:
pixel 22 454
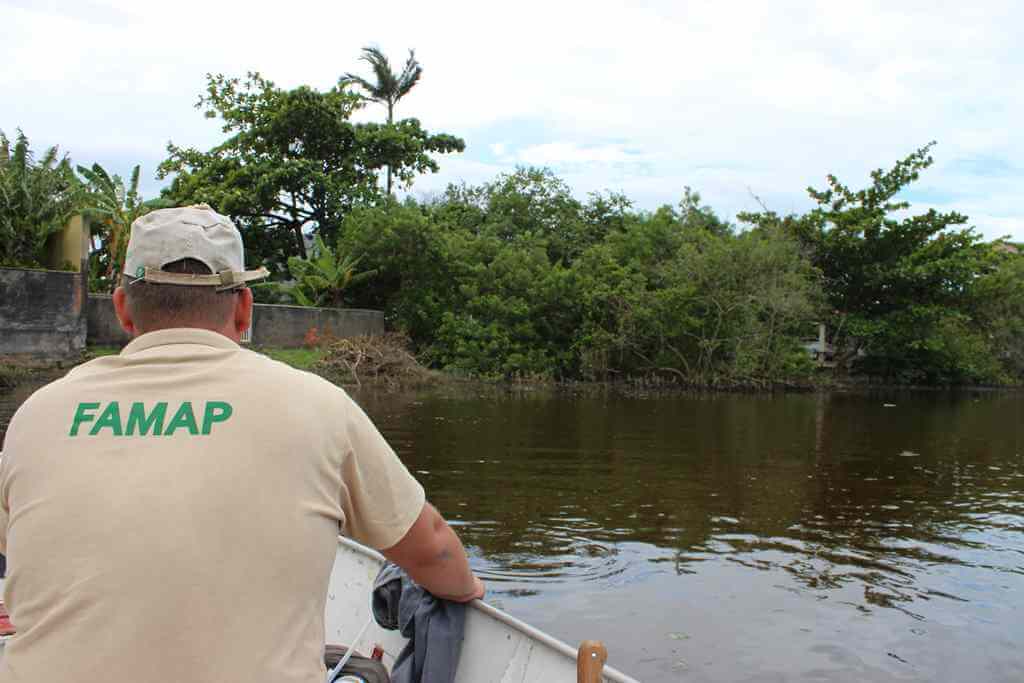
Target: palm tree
pixel 389 87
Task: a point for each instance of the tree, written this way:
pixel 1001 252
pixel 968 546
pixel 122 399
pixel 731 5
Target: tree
pixel 998 307
pixel 898 286
pixel 389 86
pixel 323 279
pixel 695 215
pixel 36 200
pixel 293 162
pixel 532 201
pixel 410 250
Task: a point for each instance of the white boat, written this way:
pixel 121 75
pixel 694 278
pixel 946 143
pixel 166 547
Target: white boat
pixel 497 648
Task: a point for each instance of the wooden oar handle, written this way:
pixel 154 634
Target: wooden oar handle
pixel 590 659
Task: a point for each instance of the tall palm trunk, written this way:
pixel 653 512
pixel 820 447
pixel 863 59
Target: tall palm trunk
pixel 391 114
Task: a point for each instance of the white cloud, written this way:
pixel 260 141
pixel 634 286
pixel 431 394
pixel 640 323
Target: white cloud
pixel 560 153
pixel 642 96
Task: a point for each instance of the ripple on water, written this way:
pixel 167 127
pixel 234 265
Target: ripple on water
pixel 557 553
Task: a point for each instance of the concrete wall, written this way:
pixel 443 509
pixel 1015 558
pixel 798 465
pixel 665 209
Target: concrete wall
pixel 287 326
pixel 104 330
pixel 281 326
pixel 42 315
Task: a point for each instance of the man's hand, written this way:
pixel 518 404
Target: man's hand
pixel 433 556
pixel 481 589
pixel 478 591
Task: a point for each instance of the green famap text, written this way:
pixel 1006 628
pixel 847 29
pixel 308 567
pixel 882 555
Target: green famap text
pixel 157 420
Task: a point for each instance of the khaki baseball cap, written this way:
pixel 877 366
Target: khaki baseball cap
pixel 197 232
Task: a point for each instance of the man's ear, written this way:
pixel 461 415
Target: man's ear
pixel 124 315
pixel 243 310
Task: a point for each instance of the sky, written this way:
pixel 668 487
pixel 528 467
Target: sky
pixel 748 103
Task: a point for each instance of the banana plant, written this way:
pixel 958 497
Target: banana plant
pixel 322 279
pixel 37 197
pixel 112 207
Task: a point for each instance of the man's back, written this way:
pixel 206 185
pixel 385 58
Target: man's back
pixel 173 510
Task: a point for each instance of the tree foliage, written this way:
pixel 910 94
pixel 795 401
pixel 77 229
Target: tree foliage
pixel 898 285
pixel 997 309
pixel 517 278
pixel 322 279
pixel 293 162
pixel 37 197
pixel 677 294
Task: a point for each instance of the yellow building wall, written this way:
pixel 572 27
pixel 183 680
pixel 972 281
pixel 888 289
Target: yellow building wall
pixel 70 246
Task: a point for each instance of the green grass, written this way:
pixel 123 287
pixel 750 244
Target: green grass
pixel 97 351
pixel 11 375
pixel 302 359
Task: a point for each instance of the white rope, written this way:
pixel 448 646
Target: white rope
pixel 351 649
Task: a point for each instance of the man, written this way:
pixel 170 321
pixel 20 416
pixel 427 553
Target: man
pixel 171 513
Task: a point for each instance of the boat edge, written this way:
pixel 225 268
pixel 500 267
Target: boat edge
pixel 609 673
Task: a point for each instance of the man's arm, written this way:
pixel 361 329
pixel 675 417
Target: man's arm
pixel 432 555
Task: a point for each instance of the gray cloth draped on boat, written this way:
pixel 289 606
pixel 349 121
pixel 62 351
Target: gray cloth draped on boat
pixel 434 627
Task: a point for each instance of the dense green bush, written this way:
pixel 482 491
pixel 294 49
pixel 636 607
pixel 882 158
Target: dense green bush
pixel 517 279
pixel 37 197
pixel 997 311
pixel 671 296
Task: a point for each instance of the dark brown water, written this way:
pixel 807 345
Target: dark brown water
pixel 739 538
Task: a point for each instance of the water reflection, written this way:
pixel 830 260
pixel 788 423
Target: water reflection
pixel 898 505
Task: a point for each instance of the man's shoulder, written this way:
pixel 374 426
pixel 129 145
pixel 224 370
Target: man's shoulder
pixel 265 369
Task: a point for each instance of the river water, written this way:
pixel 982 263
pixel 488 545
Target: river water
pixel 831 537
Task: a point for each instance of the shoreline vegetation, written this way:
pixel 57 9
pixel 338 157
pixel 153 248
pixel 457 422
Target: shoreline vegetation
pixel 387 362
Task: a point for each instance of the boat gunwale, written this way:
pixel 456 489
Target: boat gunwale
pixel 609 673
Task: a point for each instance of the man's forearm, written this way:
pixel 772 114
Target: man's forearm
pixel 448 574
pixel 433 556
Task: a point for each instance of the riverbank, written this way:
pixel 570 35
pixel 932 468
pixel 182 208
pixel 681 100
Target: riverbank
pixel 386 362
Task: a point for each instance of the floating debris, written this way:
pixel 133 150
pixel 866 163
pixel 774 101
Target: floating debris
pixel 724 520
pixel 909 454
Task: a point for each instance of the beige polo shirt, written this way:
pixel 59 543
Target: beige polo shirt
pixel 171 514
